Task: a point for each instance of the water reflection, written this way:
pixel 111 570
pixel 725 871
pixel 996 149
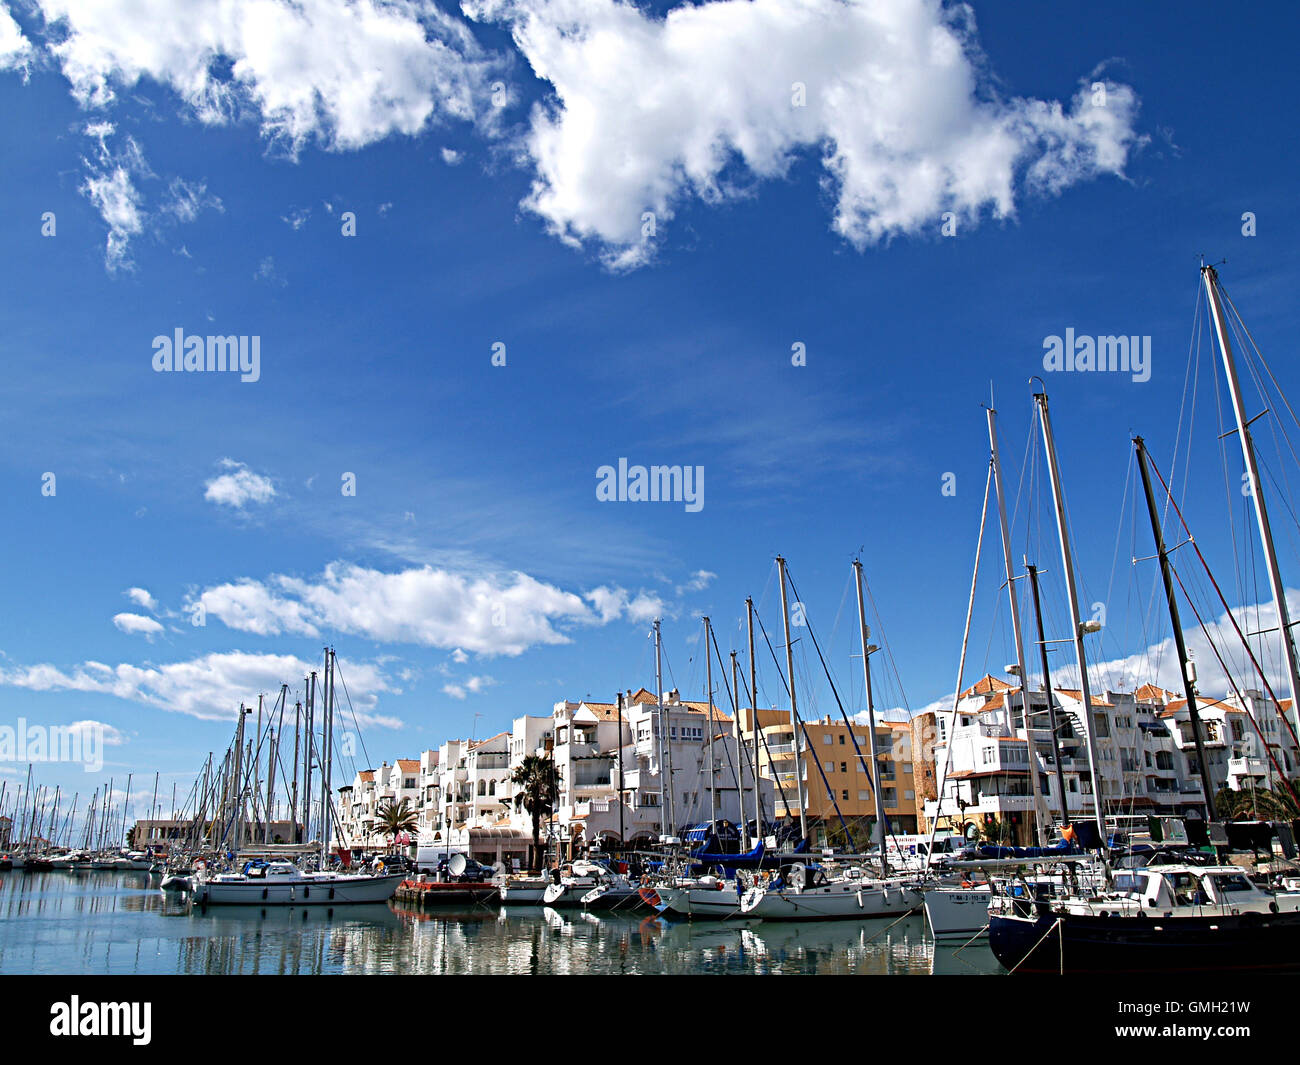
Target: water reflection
pixel 121 923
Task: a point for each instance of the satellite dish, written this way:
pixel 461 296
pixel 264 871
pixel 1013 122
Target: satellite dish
pixel 457 865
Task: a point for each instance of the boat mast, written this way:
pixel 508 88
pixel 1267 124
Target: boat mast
pixel 794 712
pixel 309 741
pixel 1072 594
pixel 293 794
pixel 327 760
pixel 665 751
pixel 742 759
pixel 1016 630
pixel 757 729
pixel 622 835
pixel 1051 705
pixel 713 780
pixel 882 824
pixel 1211 279
pixel 1189 688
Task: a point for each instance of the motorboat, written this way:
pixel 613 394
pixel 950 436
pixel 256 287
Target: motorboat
pixel 1168 918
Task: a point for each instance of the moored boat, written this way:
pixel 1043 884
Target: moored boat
pixel 284 884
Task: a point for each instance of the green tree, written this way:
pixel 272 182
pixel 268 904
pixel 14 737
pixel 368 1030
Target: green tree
pixel 537 790
pixel 391 819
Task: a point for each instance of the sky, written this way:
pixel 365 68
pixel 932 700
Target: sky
pixel 793 246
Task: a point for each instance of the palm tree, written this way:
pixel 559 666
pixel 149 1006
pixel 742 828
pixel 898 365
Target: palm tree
pixel 394 818
pixel 537 789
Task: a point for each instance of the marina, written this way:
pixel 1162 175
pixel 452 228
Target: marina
pixel 121 925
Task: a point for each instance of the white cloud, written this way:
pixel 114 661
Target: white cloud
pixel 486 614
pixel 210 687
pixel 452 157
pixel 15 49
pixel 141 597
pixel 111 737
pixel 472 685
pixel 699 580
pixel 110 187
pixel 612 603
pixel 344 72
pixel 137 624
pixel 296 218
pixel 241 485
pixel 251 607
pixel 112 184
pixel 650 112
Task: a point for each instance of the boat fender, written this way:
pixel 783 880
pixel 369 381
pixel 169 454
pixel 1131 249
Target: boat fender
pixel 264 891
pixel 1272 907
pixel 331 893
pixel 306 893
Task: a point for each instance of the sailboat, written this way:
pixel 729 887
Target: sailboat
pixel 266 876
pixel 805 891
pixel 1170 917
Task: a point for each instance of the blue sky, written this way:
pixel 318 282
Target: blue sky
pixel 193 188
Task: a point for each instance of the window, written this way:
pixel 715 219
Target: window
pixel 863 796
pixel 826 738
pixel 844 768
pixel 841 739
pixel 846 794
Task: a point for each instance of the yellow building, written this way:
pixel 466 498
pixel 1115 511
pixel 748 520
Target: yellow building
pixel 836 783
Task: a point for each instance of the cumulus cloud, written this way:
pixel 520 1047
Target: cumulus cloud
pixel 649 112
pixel 137 624
pixel 345 73
pixel 141 597
pixel 611 603
pixel 238 486
pixel 487 614
pixel 210 687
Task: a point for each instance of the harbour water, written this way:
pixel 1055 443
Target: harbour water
pixel 120 924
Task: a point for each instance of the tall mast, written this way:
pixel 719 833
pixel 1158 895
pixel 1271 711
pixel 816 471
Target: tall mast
pixel 293 794
pixel 1211 279
pixel 882 824
pixel 1051 705
pixel 309 741
pixel 794 711
pixel 741 758
pixel 708 669
pixel 1072 594
pixel 126 799
pixel 1189 688
pixel 622 835
pixel 327 760
pixel 1017 632
pixel 665 750
pixel 756 728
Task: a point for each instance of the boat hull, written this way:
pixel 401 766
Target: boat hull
pixel 700 903
pixel 340 891
pixel 1150 944
pixel 837 902
pixel 955 913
